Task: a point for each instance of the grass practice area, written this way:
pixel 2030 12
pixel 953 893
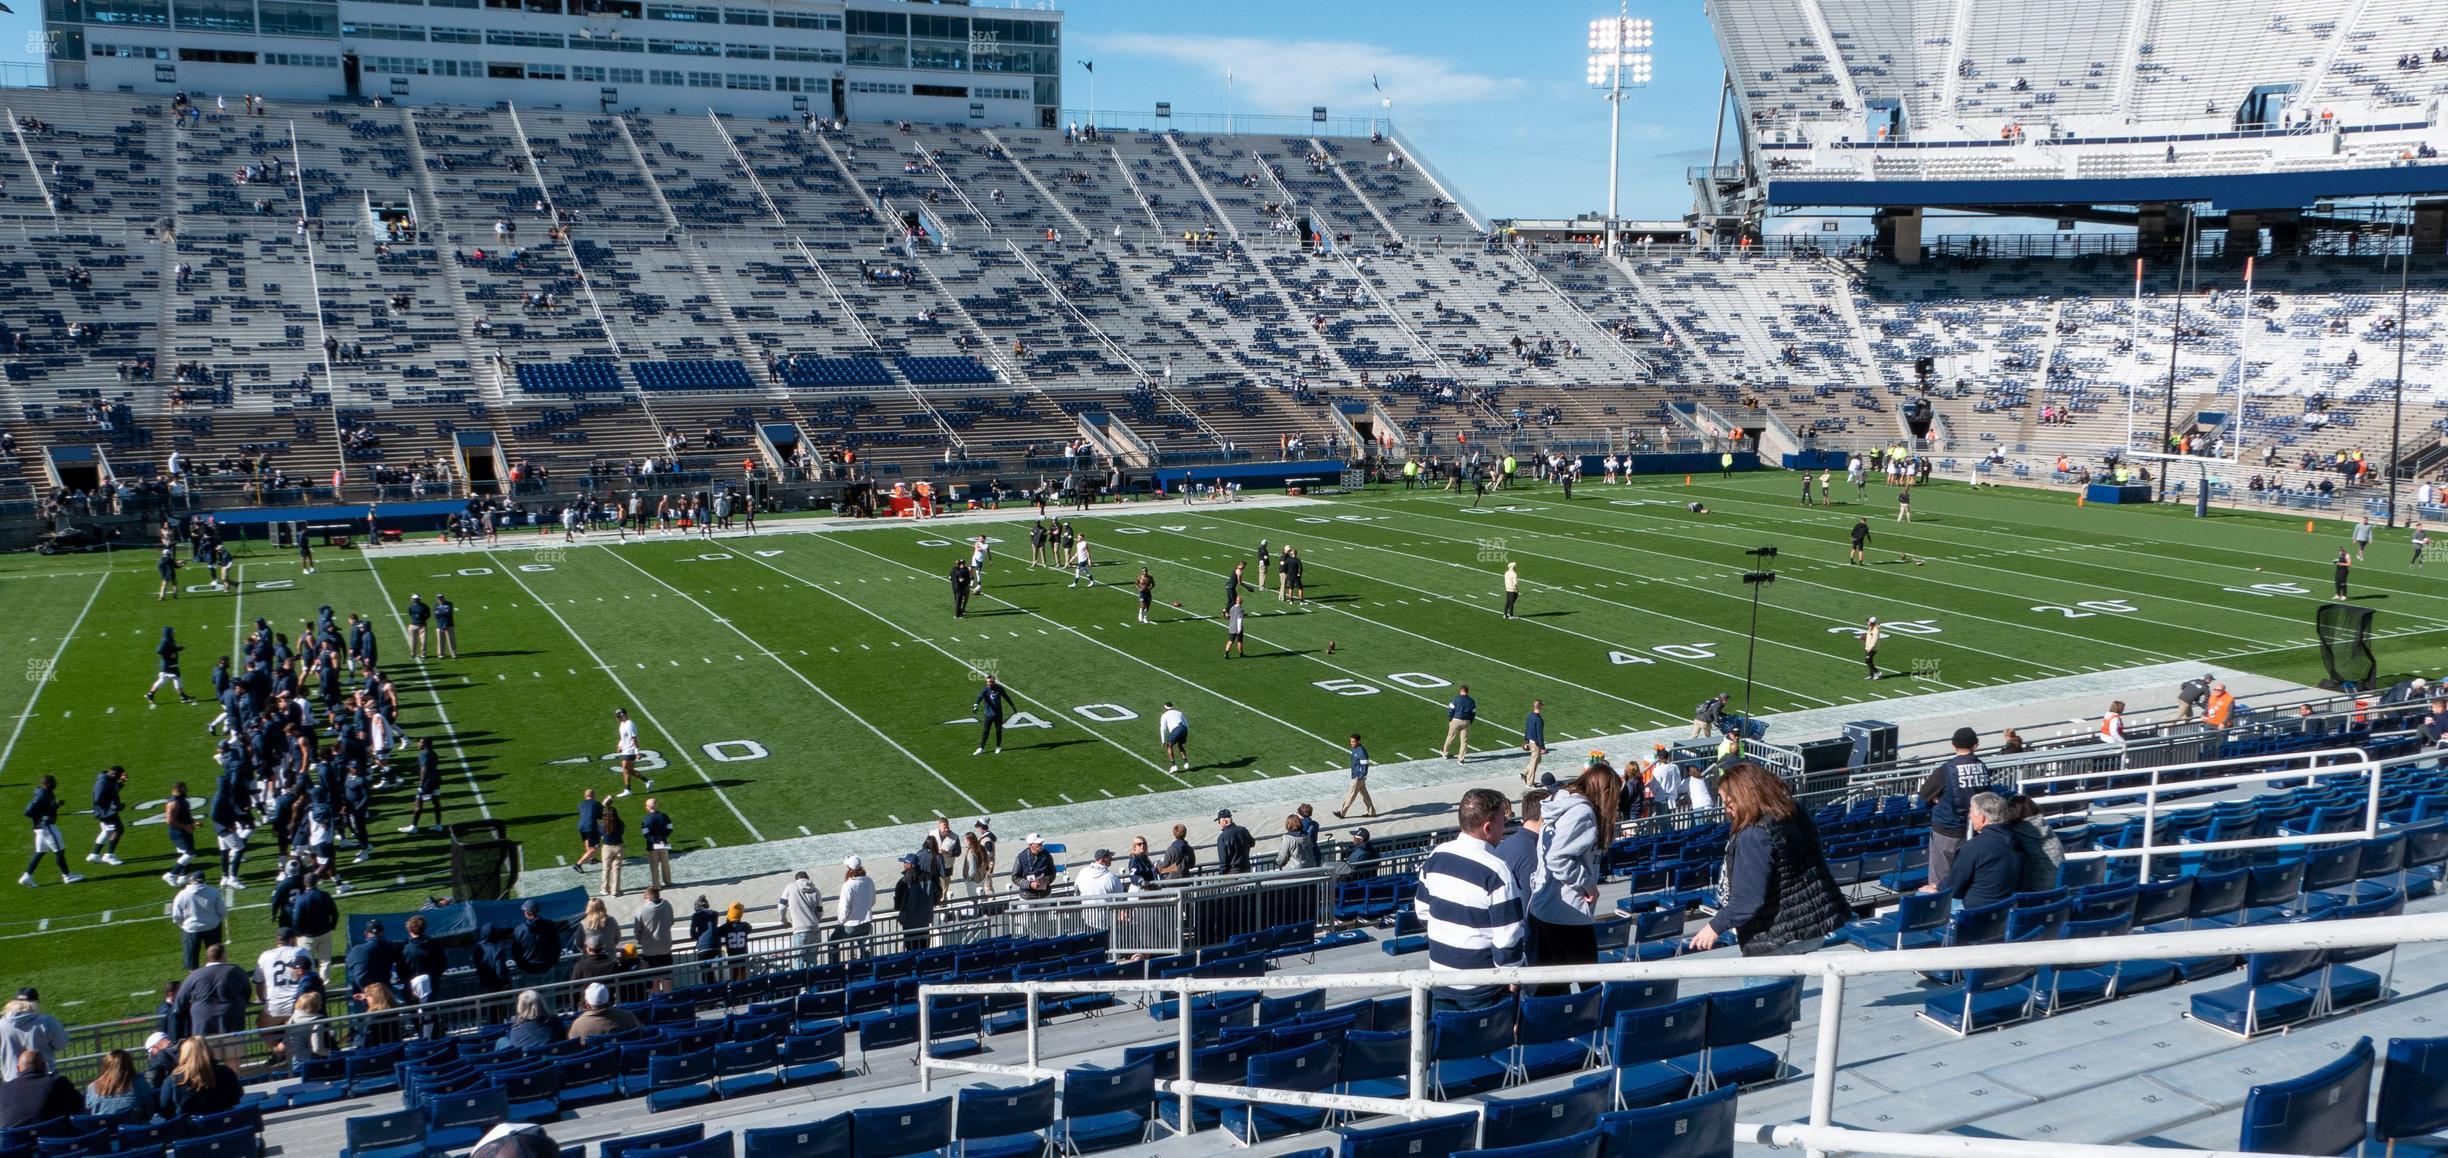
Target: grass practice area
pixel 795 683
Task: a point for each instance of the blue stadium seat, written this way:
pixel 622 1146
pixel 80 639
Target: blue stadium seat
pixel 1446 1135
pixel 2413 1089
pixel 1586 1144
pixel 2321 1112
pixel 456 1120
pixel 1005 1121
pixel 679 1080
pixel 1107 1107
pixel 893 1131
pixel 396 1134
pixel 1695 1127
pixel 1470 1050
pixel 652 1140
pixel 1561 1033
pixel 1659 1052
pixel 812 1055
pixel 2279 989
pixel 1551 1116
pixel 830 1138
pixel 1741 1017
pixel 242 1142
pixel 712 1146
pixel 1314 1068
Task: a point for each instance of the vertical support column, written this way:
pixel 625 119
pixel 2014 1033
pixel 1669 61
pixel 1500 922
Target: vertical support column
pixel 1419 1051
pixel 1823 1068
pixel 1186 1039
pixel 1031 998
pixel 926 1073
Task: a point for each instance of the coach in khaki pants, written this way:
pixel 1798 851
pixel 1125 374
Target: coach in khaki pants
pixel 1458 717
pixel 615 831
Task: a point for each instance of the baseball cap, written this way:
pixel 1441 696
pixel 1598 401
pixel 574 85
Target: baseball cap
pixel 981 823
pixel 28 994
pixel 1034 838
pixel 598 994
pixel 1102 854
pixel 909 858
pixel 1966 738
pixel 158 1038
pixel 1360 834
pixel 852 861
pixel 1223 814
pixel 1874 619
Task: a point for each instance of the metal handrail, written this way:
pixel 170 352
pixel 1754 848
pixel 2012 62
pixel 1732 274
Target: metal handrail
pixel 1832 970
pixel 2358 763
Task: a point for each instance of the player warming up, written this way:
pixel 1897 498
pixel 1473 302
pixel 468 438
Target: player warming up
pixel 170 647
pixel 625 745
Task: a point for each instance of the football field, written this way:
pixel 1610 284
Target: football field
pixel 807 681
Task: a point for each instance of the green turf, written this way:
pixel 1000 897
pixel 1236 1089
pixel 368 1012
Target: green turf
pixel 804 683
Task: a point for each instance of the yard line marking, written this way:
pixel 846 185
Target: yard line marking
pixel 838 706
pixel 441 713
pixel 632 697
pixel 965 665
pixel 238 610
pixel 50 668
pixel 803 831
pixel 1485 658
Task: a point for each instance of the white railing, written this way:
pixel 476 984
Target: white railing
pixel 2327 763
pixel 1831 969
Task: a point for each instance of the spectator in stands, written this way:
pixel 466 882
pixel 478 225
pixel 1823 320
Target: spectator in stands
pixel 1572 844
pixel 1987 869
pixel 536 942
pixel 857 900
pixel 914 901
pixel 1298 849
pixel 382 1024
pixel 597 1014
pixel 533 1026
pixel 1780 897
pixel 374 960
pixel 118 1094
pixel 1520 850
pixel 1180 859
pixel 651 929
pixel 1948 791
pixel 25 1028
pixel 1233 844
pixel 199 1085
pixel 1033 869
pixel 36 1094
pixel 802 909
pixel 199 912
pixel 213 999
pixel 1467 899
pixel 2038 847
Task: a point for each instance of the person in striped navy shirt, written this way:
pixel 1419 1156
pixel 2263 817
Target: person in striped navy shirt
pixel 1474 910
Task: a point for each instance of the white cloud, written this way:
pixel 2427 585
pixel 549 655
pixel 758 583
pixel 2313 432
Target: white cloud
pixel 1289 75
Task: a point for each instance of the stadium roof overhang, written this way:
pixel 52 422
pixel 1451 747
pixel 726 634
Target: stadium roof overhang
pixel 2291 190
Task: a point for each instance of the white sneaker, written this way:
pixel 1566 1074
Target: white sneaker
pixel 407 828
pixel 171 879
pixel 26 879
pixel 979 752
pixel 650 786
pixel 233 884
pixel 343 889
pixel 93 858
pixel 624 792
pixel 70 878
pixel 362 855
pixel 111 858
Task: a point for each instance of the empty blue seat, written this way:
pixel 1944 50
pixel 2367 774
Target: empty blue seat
pixel 1551 1116
pixel 679 1080
pixel 1696 1127
pixel 242 1142
pixel 2413 1089
pixel 1560 1033
pixel 1659 1052
pixel 2279 989
pixel 652 1140
pixel 829 1138
pixel 397 1134
pixel 1107 1107
pixel 1739 1018
pixel 1586 1144
pixel 456 1120
pixel 893 1131
pixel 1313 1068
pixel 2321 1112
pixel 1471 1049
pixel 1447 1135
pixel 1005 1121
pixel 711 1146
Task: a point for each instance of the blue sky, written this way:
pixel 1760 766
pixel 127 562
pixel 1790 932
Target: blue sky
pixel 1493 95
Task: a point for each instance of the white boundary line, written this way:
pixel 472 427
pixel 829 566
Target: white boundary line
pixel 771 654
pixel 632 697
pixel 440 713
pixel 1070 630
pixel 1467 605
pixel 931 645
pixel 49 672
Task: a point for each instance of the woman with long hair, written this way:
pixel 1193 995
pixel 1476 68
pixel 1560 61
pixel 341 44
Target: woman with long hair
pixel 976 867
pixel 1777 895
pixel 119 1093
pixel 198 1085
pixel 597 931
pixel 1578 824
pixel 381 1026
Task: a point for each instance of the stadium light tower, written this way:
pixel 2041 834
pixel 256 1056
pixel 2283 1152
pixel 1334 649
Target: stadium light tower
pixel 1618 45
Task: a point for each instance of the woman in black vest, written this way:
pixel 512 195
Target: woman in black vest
pixel 1777 895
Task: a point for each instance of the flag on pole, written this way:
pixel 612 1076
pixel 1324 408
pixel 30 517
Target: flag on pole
pixel 1373 83
pixel 1090 65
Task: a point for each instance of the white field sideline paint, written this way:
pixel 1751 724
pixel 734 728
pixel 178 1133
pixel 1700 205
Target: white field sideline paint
pixel 52 666
pixel 1830 968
